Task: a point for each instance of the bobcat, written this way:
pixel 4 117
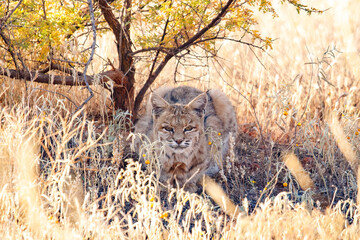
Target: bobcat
pixel 187 122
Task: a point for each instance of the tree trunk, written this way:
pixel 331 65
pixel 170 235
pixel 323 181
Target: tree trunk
pixel 123 95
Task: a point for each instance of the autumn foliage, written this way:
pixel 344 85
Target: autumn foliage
pixel 38 35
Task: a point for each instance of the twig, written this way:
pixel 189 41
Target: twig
pixel 229 39
pixel 161 49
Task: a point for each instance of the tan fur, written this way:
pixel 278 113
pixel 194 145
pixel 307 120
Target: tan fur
pixel 186 120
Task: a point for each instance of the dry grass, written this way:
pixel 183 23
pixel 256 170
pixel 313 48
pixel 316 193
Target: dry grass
pixel 78 191
pixel 66 176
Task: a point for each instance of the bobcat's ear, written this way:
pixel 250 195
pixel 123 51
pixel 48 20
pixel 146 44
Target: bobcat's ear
pixel 158 104
pixel 198 104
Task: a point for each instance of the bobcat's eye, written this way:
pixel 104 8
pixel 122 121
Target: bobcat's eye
pixel 168 129
pixel 188 129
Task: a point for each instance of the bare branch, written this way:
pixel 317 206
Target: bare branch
pixel 93 45
pixel 116 76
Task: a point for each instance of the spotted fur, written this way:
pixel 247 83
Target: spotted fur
pixel 186 120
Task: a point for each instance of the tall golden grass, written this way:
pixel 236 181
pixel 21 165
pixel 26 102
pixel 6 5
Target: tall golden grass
pixel 132 207
pixel 62 176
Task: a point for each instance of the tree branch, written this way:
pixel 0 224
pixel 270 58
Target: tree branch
pixel 110 18
pixel 4 19
pixel 116 76
pixel 160 49
pixel 93 45
pixel 213 23
pixel 231 40
pixel 54 66
pixel 148 83
pixel 123 97
pixel 161 42
pixel 11 49
pixel 174 51
pixel 8 43
pixel 121 35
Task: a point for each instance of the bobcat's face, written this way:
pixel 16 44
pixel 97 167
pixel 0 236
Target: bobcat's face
pixel 179 132
pixel 179 126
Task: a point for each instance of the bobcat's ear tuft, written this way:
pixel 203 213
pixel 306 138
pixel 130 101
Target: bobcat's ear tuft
pixel 158 104
pixel 198 104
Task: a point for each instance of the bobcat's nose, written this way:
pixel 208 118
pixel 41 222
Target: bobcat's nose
pixel 178 141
